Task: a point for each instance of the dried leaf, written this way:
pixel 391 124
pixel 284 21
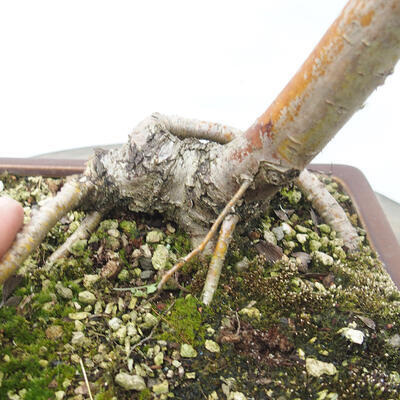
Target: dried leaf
pixel 110 270
pixel 13 301
pixel 53 384
pixel 24 302
pixel 270 251
pixel 281 215
pixel 314 217
pixel 367 321
pixel 10 285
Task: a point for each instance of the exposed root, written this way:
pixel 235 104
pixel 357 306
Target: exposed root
pixel 40 224
pixel 193 128
pixel 87 226
pixel 329 209
pixel 217 261
pixel 209 235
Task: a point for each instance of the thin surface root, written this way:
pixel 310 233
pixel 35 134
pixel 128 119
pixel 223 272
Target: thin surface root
pixel 87 226
pixel 218 258
pixel 209 235
pixel 329 209
pixel 193 128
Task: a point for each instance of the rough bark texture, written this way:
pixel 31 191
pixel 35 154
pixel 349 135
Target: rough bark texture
pixel 158 172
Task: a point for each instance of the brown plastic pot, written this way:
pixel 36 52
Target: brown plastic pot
pixel 373 219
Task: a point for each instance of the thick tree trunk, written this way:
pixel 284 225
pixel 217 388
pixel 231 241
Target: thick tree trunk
pixel 156 171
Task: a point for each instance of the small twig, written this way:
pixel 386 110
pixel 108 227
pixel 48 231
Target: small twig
pixel 209 235
pixel 238 323
pixel 147 338
pixel 85 378
pixel 98 334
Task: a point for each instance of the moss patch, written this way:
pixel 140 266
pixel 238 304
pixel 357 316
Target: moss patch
pixel 185 322
pixel 298 312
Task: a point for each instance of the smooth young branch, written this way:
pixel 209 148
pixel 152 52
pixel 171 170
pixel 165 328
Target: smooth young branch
pixel 218 258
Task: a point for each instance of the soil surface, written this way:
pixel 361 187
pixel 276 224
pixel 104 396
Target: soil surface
pixel 294 317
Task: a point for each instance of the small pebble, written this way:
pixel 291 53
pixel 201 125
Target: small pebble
pixel 317 368
pixel 114 323
pixel 187 351
pixel 212 346
pixel 87 297
pixel 154 237
pixel 130 382
pixel 160 257
pixel 78 315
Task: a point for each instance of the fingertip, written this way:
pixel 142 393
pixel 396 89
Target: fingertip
pixel 11 220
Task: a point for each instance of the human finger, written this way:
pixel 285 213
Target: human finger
pixel 11 219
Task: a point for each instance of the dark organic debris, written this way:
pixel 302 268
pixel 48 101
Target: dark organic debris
pixel 266 346
pixel 329 280
pixel 8 289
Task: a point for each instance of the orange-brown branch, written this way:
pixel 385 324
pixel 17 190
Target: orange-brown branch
pixel 354 57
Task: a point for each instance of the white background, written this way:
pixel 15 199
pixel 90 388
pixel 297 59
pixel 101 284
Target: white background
pixel 81 73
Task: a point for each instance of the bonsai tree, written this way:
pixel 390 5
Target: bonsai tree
pixel 200 174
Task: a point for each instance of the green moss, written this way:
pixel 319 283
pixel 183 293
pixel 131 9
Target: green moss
pixel 185 322
pixel 15 327
pixel 145 394
pixel 105 395
pixel 129 228
pixel 292 194
pixel 180 243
